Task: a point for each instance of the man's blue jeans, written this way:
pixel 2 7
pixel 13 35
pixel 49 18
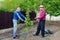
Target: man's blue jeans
pixel 41 27
pixel 14 27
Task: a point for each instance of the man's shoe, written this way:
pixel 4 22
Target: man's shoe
pixel 15 37
pixel 35 35
pixel 42 36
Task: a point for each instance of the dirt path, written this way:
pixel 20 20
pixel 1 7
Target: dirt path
pixel 53 26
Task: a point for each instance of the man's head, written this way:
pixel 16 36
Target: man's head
pixel 18 9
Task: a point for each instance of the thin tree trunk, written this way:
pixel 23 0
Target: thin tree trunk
pixel 50 17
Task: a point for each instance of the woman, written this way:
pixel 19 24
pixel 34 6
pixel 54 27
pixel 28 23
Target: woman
pixel 41 19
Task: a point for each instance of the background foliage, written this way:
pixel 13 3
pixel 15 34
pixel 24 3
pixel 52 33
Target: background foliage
pixel 52 7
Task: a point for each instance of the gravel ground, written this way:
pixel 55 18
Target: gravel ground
pixel 53 26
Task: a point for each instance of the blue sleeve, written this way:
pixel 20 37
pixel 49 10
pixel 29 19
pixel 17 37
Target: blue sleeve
pixel 22 15
pixel 17 14
pixel 19 17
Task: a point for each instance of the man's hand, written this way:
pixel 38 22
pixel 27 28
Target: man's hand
pixel 25 20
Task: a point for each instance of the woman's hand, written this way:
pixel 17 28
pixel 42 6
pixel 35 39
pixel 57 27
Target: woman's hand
pixel 37 20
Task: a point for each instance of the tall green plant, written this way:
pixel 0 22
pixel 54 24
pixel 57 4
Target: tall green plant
pixel 29 23
pixel 29 5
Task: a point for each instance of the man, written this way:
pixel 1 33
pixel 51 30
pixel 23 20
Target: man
pixel 41 19
pixel 17 15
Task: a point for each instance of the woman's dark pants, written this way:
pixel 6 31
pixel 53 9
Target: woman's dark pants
pixel 41 27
